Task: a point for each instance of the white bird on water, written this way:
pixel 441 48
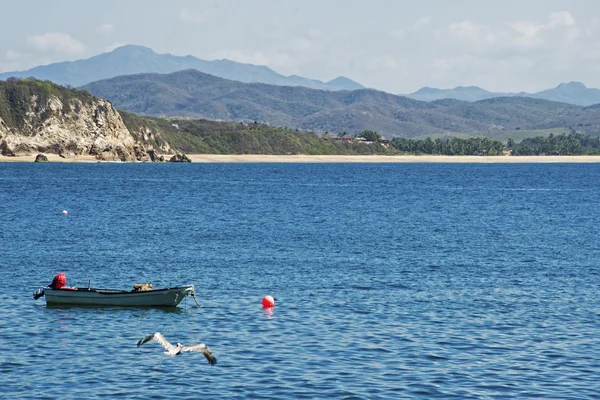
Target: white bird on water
pixel 175 350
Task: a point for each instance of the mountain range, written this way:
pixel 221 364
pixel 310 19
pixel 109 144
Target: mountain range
pixel 131 59
pixel 42 117
pixel 193 94
pixel 573 93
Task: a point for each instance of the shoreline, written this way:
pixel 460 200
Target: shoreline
pixel 261 158
pixel 207 158
pixel 51 158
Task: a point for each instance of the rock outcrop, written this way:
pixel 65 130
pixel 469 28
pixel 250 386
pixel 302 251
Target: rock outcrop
pixel 151 136
pixel 180 157
pixel 94 129
pixel 155 157
pixel 41 158
pixel 46 118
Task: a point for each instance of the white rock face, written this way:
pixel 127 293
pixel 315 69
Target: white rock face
pixel 146 134
pixel 95 129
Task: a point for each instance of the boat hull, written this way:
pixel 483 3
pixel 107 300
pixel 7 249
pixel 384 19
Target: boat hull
pixel 169 297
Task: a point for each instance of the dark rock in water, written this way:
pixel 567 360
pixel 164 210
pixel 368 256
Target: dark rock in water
pixel 41 158
pixel 154 157
pixel 179 157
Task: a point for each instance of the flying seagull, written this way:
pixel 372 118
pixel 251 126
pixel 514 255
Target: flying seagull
pixel 175 350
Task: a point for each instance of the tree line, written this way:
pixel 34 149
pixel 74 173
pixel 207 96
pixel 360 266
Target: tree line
pixel 572 144
pixel 564 144
pixel 453 147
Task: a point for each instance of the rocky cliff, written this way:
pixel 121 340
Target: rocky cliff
pixel 40 117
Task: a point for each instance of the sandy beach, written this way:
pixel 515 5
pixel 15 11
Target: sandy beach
pixel 259 158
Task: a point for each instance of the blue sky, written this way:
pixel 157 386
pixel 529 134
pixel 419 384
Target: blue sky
pixel 396 46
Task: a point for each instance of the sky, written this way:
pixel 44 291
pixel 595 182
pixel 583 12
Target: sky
pixel 393 45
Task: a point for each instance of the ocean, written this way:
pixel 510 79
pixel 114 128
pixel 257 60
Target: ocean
pixel 391 281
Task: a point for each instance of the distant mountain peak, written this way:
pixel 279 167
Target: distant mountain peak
pixel 126 48
pixel 572 93
pixel 345 83
pixel 427 90
pixel 571 85
pixel 136 59
pixel 465 93
pixel 470 88
pixel 341 79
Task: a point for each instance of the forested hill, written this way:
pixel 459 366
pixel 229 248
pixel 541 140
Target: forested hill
pixel 38 116
pixel 41 117
pixel 218 137
pixel 192 94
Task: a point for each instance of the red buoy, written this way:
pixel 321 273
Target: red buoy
pixel 268 302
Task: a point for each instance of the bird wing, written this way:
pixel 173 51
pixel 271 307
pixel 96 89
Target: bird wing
pixel 201 348
pixel 158 338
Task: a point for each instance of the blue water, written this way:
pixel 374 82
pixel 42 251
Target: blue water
pixel 466 281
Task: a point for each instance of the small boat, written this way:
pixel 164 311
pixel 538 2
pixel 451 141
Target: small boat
pixel 168 297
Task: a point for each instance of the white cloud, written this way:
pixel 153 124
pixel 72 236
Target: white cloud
pixel 515 55
pixel 191 17
pixel 106 29
pixel 561 18
pixel 56 42
pixel 466 30
pixel 420 23
pixel 560 26
pixel 527 32
pixel 12 56
pixel 551 40
pixel 470 30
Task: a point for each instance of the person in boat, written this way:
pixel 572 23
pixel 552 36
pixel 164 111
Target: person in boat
pixel 58 282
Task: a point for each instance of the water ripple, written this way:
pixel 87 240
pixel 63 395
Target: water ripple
pixel 391 281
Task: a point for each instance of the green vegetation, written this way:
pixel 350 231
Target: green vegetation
pixel 453 147
pixel 19 98
pixel 192 94
pixel 16 99
pixel 138 126
pixel 571 144
pixel 202 136
pixel 371 136
pixel 522 134
pixel 499 135
pixel 563 144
